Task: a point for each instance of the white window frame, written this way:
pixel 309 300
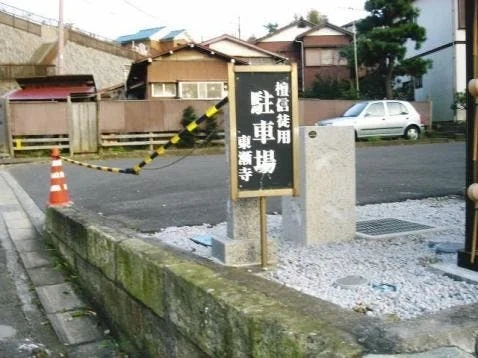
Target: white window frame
pixel 202 91
pixel 158 89
pixel 324 56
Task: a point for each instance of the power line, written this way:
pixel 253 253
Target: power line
pixel 127 2
pixel 350 8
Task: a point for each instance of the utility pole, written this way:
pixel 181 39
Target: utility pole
pixel 239 27
pixel 355 61
pixel 60 68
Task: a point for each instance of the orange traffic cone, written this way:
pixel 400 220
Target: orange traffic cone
pixel 58 189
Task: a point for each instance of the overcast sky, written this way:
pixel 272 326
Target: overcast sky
pixel 202 19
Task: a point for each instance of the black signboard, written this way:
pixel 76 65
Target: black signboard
pixel 263 130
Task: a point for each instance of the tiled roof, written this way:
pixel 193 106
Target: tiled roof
pixel 140 35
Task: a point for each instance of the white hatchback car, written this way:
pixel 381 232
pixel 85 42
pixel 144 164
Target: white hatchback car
pixel 384 118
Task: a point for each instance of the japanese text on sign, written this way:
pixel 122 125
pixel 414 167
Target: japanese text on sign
pixel 264 131
pixel 277 131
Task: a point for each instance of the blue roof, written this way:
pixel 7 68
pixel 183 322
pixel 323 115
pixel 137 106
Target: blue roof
pixel 172 34
pixel 140 35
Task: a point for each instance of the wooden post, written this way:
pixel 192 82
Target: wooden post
pixel 8 128
pixel 99 145
pixel 263 213
pixel 71 130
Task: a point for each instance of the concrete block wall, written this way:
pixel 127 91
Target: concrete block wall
pixel 168 304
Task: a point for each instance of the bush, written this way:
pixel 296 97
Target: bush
pixel 329 88
pixel 459 101
pixel 188 139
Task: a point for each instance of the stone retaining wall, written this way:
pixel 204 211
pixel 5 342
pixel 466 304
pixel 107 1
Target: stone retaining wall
pixel 168 304
pixel 17 46
pixel 83 55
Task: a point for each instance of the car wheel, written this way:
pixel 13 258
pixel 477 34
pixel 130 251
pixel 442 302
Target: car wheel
pixel 412 133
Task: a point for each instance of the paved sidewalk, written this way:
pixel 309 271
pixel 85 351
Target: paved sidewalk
pixel 40 312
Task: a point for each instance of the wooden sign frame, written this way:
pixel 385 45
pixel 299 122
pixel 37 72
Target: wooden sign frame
pixel 264 134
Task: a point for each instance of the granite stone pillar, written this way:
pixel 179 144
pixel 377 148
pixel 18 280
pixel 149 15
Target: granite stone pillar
pixel 325 209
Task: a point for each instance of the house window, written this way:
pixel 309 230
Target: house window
pixel 324 57
pixel 163 90
pixel 201 90
pixel 461 14
pixel 418 81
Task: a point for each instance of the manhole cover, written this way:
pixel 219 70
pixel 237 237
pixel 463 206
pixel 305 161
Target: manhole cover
pixel 379 228
pixel 351 281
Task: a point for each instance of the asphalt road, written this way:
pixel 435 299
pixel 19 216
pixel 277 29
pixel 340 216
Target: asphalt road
pixel 194 190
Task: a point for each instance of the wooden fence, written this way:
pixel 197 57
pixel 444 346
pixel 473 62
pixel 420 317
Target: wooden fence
pixel 92 126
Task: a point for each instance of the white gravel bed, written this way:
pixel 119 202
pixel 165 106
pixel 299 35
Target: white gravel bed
pixel 398 263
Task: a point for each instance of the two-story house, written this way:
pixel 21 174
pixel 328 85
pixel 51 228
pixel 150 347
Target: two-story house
pixel 445 46
pixel 315 49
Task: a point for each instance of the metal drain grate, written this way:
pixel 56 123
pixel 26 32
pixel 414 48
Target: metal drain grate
pixel 388 227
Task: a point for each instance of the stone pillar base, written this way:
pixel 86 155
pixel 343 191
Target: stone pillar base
pixel 242 252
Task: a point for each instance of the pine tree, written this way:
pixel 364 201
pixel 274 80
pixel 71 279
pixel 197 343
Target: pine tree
pixel 381 40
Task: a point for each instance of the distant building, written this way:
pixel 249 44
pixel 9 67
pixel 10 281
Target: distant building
pixel 245 51
pixel 444 21
pixel 150 42
pixel 315 49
